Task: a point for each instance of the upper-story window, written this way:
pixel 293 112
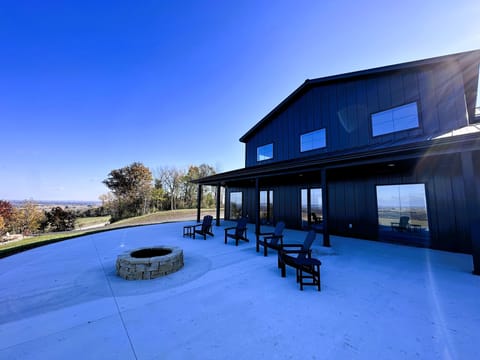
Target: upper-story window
pixel 395 119
pixel 265 152
pixel 313 140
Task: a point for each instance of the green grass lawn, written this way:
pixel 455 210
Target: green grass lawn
pixel 91 221
pixel 13 247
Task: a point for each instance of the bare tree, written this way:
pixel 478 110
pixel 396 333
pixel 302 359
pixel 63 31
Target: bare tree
pixel 171 180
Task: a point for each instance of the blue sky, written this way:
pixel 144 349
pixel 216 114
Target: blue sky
pixel 91 86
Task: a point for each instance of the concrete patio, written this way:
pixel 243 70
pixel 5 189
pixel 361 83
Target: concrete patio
pixel 64 301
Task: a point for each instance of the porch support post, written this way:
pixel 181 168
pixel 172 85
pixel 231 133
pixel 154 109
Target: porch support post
pixel 309 206
pixel 199 201
pixel 473 208
pixel 218 205
pixel 257 206
pixel 325 207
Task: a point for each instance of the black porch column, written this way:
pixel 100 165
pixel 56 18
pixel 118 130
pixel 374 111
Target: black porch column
pixel 309 206
pixel 218 205
pixel 257 206
pixel 199 201
pixel 473 208
pixel 326 233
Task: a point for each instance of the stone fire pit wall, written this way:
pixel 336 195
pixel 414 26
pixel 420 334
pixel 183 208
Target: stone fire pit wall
pixel 145 268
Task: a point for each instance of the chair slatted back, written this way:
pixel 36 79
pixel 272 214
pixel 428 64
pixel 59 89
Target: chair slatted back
pixel 207 223
pixel 404 221
pixel 307 244
pixel 279 228
pixel 241 227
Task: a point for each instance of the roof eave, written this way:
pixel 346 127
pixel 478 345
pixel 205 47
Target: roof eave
pixel 352 75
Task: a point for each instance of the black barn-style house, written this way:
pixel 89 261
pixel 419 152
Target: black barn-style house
pixel 389 154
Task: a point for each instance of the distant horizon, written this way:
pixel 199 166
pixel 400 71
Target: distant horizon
pixel 90 87
pixel 54 202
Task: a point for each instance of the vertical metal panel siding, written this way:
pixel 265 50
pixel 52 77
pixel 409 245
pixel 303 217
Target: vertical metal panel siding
pixel 411 87
pixel 462 224
pixel 429 115
pixel 249 204
pixel 344 109
pixel 353 201
pixel 362 115
pixel 288 208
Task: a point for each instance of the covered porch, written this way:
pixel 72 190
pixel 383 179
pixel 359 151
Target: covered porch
pixel 351 185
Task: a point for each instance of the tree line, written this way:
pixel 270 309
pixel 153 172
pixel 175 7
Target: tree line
pixel 29 219
pixel 134 190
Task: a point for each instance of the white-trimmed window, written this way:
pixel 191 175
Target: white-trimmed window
pixel 265 152
pixel 313 140
pixel 395 119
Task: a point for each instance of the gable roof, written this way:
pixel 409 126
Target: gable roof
pixel 468 57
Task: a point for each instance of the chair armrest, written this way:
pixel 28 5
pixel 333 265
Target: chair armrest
pixel 300 246
pixel 265 234
pixel 229 228
pixel 273 237
pixel 197 225
pixel 300 250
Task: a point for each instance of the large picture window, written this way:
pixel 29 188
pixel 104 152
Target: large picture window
pixel 402 212
pixel 396 119
pixel 265 152
pixel 235 205
pixel 313 140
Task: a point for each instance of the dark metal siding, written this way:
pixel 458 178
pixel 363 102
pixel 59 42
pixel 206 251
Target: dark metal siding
pixel 352 199
pixel 344 109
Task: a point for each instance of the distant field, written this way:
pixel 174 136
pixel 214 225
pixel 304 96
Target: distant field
pixel 16 246
pixel 81 223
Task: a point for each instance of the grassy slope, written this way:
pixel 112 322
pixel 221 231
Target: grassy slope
pixel 14 247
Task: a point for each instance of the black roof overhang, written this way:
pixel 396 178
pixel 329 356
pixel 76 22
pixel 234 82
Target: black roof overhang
pixel 469 59
pixel 444 146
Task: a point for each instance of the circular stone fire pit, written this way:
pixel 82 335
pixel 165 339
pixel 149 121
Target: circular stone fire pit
pixel 149 263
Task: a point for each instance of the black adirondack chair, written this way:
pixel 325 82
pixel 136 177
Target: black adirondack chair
pixel 307 268
pixel 239 233
pixel 205 228
pixel 402 225
pixel 272 240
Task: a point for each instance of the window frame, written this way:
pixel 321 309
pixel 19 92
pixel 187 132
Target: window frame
pixel 307 202
pixel 235 193
pixel 267 206
pixel 392 109
pixel 321 130
pixel 264 147
pixel 402 205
